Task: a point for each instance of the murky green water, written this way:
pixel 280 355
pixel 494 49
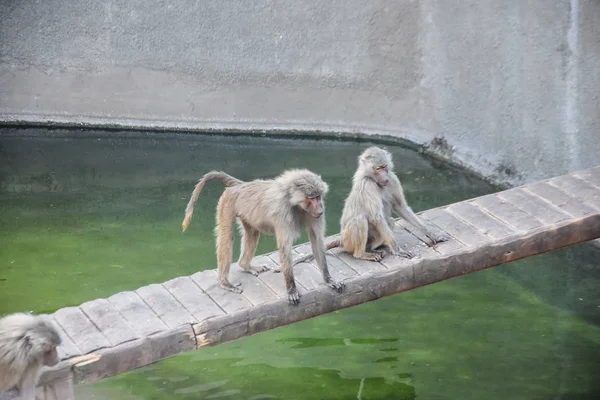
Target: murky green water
pixel 85 214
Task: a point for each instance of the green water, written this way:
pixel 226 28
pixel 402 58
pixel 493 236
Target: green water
pixel 86 214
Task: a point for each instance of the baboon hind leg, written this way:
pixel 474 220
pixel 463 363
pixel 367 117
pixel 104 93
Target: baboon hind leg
pixel 250 238
pixel 225 230
pixel 355 238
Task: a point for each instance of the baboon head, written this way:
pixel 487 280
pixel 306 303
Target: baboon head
pixel 306 190
pixel 42 340
pixel 376 163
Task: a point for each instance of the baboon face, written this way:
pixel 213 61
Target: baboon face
pixel 50 356
pixel 313 206
pixel 380 174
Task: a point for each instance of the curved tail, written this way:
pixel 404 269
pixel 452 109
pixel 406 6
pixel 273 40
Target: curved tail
pixel 310 256
pixel 227 180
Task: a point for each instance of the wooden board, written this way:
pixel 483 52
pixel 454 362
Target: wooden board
pixel 508 213
pixel 141 317
pixel 534 205
pixel 560 199
pixel 67 348
pixel 591 176
pixel 484 222
pixel 228 301
pixel 80 329
pixel 165 306
pixel 459 230
pixel 109 321
pixel 579 189
pixel 192 298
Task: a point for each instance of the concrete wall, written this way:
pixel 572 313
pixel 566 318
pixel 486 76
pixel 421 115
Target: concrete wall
pixel 509 88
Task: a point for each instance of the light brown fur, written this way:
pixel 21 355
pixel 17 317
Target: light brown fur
pixel 279 207
pixel 367 222
pixel 27 343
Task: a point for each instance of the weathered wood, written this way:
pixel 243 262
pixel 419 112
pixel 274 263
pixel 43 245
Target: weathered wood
pixel 459 230
pixel 361 267
pixel 255 290
pixel 560 199
pixel 484 222
pixel 136 354
pixel 578 189
pixel 448 247
pixel 507 212
pixel 141 318
pixel 591 176
pixel 193 299
pixel 534 205
pixel 337 268
pixel 108 320
pixel 80 329
pixel 271 279
pixel 228 301
pixel 165 306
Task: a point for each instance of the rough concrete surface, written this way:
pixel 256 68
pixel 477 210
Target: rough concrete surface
pixel 508 88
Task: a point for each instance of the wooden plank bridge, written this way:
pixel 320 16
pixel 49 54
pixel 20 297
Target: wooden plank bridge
pixel 131 329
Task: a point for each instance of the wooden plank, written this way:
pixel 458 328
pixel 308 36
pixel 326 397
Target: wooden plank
pixel 413 244
pixel 255 290
pixel 458 229
pixel 560 199
pixel 140 317
pixel 109 321
pixel 198 303
pixel 67 348
pixel 578 189
pixel 337 268
pixel 165 306
pixel 227 300
pixel 448 247
pixel 271 279
pixel 135 354
pixel 80 329
pixel 591 176
pixel 481 220
pixel 534 206
pixel 507 212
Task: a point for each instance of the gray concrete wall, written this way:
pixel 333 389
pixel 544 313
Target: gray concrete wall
pixel 509 88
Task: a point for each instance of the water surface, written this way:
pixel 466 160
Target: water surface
pixel 86 214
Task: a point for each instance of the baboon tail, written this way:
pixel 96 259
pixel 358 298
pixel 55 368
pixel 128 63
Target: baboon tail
pixel 227 180
pixel 308 257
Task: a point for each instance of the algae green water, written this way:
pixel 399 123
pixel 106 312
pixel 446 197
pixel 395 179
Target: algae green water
pixel 86 214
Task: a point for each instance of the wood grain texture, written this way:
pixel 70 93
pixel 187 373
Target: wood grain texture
pixel 165 306
pixel 86 336
pixel 140 316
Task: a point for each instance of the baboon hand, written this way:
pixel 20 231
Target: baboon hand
pixel 293 296
pixel 338 286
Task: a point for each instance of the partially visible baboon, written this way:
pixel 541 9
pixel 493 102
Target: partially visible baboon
pixel 27 342
pixel 280 207
pixel 367 222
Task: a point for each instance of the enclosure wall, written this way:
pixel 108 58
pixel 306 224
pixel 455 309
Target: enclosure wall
pixel 512 86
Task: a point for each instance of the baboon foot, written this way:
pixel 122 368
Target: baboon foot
pixel 236 288
pixel 337 286
pixel 293 296
pixel 370 256
pixel 276 270
pixel 403 253
pixel 256 269
pixel 438 239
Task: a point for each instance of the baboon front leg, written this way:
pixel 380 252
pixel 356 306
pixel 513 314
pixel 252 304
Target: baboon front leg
pixel 388 238
pixel 285 260
pixel 317 244
pixel 250 238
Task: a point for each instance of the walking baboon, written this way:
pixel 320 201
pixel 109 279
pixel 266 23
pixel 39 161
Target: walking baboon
pixel 27 342
pixel 367 222
pixel 280 207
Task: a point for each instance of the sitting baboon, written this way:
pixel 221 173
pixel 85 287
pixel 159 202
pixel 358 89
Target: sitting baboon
pixel 280 207
pixel 367 222
pixel 27 342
